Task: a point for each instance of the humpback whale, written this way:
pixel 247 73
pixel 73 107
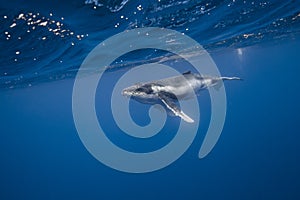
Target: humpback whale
pixel 168 91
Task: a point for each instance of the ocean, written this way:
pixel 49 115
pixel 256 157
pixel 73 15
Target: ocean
pixel 61 69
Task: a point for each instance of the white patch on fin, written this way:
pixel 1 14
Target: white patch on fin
pixel 173 107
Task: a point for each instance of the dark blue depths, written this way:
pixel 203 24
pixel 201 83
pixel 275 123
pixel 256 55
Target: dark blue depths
pixel 257 156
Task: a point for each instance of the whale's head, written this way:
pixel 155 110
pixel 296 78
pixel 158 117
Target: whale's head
pixel 139 90
pixel 130 91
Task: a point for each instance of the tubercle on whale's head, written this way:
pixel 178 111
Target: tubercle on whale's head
pixel 126 93
pixel 129 91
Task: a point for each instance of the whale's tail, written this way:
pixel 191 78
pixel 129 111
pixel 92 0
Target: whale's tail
pixel 224 78
pixel 231 78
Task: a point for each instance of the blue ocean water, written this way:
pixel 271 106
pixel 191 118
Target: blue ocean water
pixel 42 47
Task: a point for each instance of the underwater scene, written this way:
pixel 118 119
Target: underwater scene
pixel 157 99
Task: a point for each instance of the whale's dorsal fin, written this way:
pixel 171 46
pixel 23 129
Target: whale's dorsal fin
pixel 187 72
pixel 170 104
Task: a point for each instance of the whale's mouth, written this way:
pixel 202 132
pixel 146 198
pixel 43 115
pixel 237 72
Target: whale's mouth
pixel 131 90
pixel 127 93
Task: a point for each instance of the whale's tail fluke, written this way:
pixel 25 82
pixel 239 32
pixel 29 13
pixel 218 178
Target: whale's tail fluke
pixel 224 78
pixel 231 78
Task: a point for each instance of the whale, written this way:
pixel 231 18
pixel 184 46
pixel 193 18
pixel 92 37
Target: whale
pixel 170 90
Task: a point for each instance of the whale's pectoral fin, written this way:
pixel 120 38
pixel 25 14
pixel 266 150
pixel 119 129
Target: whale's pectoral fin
pixel 174 108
